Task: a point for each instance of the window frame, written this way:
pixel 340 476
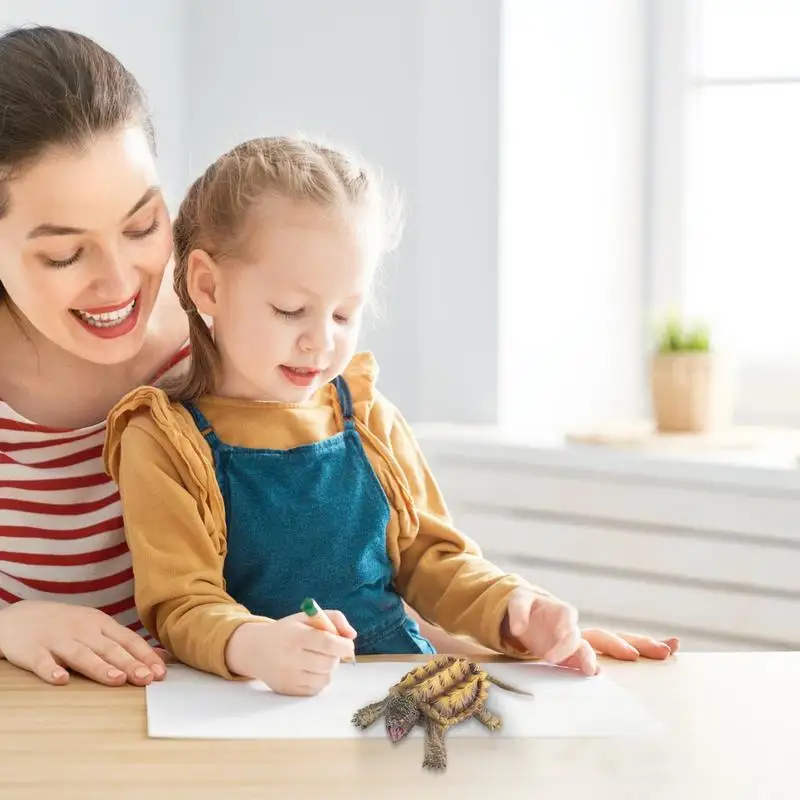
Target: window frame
pixel 766 394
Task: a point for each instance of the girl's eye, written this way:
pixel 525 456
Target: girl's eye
pixel 287 314
pixel 147 232
pixel 340 318
pixel 60 263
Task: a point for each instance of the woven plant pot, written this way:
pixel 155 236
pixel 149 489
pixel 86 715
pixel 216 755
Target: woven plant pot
pixel 691 392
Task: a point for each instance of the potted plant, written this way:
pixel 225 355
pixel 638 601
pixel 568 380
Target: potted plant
pixel 690 383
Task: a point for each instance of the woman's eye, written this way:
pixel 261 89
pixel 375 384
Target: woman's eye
pixel 63 262
pixel 340 318
pixel 147 232
pixel 287 314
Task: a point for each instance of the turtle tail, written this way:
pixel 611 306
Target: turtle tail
pixel 507 686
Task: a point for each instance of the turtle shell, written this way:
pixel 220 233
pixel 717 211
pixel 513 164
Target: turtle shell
pixel 447 689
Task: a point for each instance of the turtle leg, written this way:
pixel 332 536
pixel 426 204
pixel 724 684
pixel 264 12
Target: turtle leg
pixel 435 753
pixel 491 721
pixel 366 716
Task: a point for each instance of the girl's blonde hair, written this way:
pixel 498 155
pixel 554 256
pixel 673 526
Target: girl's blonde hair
pixel 214 214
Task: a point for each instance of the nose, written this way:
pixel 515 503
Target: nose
pixel 115 278
pixel 318 338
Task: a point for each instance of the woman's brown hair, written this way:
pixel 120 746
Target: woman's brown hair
pixel 59 88
pixel 214 213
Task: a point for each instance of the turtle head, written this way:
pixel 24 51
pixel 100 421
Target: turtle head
pixel 401 716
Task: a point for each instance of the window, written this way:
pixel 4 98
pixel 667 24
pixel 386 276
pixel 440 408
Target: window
pixel 725 190
pixel 570 215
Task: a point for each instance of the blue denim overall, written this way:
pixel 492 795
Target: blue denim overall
pixel 311 522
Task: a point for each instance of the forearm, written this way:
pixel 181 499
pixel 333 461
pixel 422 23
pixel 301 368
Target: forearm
pixel 444 642
pixel 463 599
pixel 197 630
pixel 243 656
pixel 447 581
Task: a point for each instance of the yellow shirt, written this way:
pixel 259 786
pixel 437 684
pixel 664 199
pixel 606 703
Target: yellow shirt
pixel 175 517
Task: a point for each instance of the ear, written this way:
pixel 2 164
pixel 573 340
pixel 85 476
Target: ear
pixel 202 282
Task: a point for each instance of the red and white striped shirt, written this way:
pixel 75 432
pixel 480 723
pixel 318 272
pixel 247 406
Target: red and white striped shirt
pixel 61 533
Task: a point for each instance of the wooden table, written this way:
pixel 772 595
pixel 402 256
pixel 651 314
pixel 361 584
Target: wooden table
pixel 734 732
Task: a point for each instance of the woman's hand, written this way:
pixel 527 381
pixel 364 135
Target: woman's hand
pixel 48 639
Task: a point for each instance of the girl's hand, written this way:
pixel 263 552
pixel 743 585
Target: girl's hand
pixel 629 646
pixel 289 655
pixel 548 629
pixel 47 639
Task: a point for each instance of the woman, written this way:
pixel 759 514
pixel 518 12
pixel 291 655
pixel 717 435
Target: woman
pixel 87 313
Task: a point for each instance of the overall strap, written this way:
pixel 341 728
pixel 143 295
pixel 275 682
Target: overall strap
pixel 203 425
pixel 345 400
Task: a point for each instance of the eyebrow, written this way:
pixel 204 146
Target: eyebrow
pixel 303 290
pixel 49 229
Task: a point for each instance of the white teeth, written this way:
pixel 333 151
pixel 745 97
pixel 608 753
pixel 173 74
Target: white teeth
pixel 108 319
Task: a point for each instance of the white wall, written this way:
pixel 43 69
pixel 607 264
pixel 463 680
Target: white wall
pixel 457 211
pixel 346 70
pixel 413 86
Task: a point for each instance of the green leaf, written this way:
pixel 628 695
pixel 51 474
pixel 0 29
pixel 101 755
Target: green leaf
pixel 674 335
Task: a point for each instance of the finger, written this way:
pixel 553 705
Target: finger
pixel 342 625
pixel 165 655
pixel 570 617
pixel 314 682
pixel 610 644
pixel 303 690
pixel 44 666
pixel 328 644
pixel 83 659
pixel 318 663
pixel 520 605
pixel 649 647
pixel 567 625
pixel 584 659
pixel 137 647
pixel 561 617
pixel 566 635
pixel 587 659
pixel 566 645
pixel 116 655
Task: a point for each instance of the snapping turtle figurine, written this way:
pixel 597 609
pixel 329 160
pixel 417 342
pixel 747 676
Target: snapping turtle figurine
pixel 442 692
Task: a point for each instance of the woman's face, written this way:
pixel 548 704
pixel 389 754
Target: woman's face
pixel 85 243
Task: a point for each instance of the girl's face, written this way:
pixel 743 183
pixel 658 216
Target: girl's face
pixel 85 243
pixel 286 313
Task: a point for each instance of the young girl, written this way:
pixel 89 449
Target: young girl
pixel 277 470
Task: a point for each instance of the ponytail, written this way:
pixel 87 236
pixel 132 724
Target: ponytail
pixel 203 363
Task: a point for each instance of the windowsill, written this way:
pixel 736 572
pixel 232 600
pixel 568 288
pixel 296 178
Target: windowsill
pixel 770 467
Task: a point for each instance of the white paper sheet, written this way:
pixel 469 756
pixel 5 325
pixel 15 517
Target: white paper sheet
pixel 193 705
